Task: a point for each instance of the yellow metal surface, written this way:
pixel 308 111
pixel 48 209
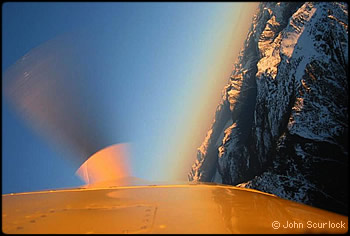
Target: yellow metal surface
pixel 163 209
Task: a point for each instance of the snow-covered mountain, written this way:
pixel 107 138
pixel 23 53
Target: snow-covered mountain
pixel 282 124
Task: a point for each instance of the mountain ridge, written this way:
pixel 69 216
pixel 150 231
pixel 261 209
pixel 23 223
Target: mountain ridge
pixel 281 126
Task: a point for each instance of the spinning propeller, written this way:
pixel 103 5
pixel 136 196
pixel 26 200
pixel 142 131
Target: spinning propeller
pixel 48 88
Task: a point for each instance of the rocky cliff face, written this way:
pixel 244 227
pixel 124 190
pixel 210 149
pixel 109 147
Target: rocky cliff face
pixel 282 124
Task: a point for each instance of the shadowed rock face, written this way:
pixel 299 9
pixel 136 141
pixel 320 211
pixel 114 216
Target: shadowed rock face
pixel 282 124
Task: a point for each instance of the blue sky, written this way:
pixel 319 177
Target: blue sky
pixel 160 67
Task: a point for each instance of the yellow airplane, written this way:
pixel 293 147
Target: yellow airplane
pixel 113 202
pixel 128 205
